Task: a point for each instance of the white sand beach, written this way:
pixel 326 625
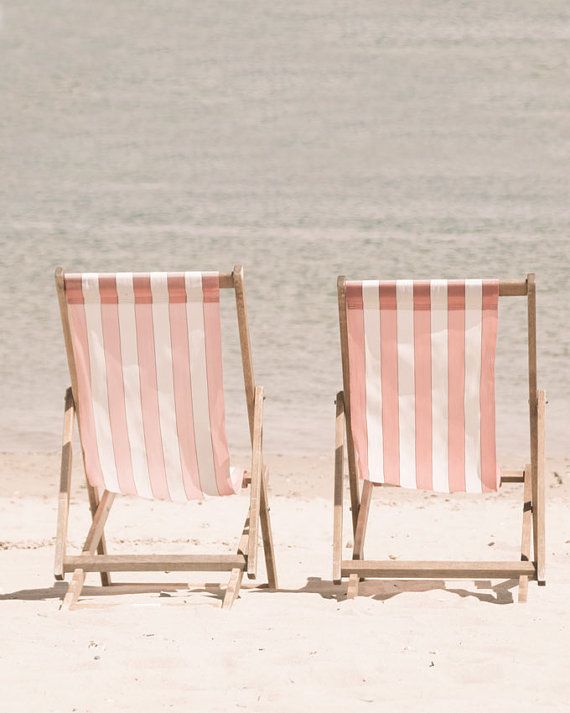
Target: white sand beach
pixel 410 645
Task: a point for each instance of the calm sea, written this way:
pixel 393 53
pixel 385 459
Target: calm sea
pixel 304 140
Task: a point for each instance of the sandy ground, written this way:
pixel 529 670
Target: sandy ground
pixel 411 646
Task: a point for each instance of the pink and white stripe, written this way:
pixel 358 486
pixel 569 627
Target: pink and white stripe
pixel 422 383
pixel 148 356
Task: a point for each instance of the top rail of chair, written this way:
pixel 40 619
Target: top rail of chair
pixel 507 288
pixel 226 279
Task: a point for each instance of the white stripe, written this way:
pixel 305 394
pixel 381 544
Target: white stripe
pixel 199 377
pixel 371 314
pixel 165 384
pixel 406 382
pixel 92 305
pixel 439 385
pixel 473 322
pixel 132 384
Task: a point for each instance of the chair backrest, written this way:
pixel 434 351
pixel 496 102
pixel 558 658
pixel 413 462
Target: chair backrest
pixel 145 358
pixel 420 357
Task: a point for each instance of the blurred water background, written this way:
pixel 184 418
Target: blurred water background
pixel 304 140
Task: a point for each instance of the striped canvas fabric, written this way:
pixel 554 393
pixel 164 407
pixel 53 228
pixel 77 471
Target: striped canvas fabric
pixel 422 393
pixel 148 357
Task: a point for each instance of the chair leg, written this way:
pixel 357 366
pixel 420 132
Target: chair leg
pixel 92 541
pixel 256 478
pixel 362 521
pixel 338 485
pixel 64 486
pixel 243 542
pixel 102 546
pixel 538 495
pixel 352 591
pixel 526 532
pixel 359 536
pixel 267 533
pixel 232 590
pixel 73 591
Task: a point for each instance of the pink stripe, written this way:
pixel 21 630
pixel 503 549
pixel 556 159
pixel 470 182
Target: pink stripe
pixel 115 385
pixel 422 379
pixel 149 387
pixel 182 385
pixel 487 389
pixel 213 346
pixel 78 329
pixel 456 385
pixel 357 371
pixel 389 369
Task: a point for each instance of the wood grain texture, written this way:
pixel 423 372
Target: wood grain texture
pixel 64 485
pixel 154 563
pixel 526 532
pixel 338 486
pixel 255 495
pixel 437 569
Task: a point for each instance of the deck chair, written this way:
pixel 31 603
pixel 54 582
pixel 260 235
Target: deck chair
pixel 145 360
pixel 418 411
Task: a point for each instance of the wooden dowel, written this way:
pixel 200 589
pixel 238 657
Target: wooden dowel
pixel 437 570
pixel 513 288
pixel 512 479
pixel 154 563
pixel 226 280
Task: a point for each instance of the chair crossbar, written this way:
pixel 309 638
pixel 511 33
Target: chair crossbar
pixel 391 569
pixel 155 563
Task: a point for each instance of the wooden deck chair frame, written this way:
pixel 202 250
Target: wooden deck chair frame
pixel 94 556
pixel 532 477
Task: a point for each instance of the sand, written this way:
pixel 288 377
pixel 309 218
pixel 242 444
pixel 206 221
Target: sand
pixel 408 646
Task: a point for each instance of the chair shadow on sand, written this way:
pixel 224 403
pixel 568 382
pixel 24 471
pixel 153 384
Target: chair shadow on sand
pixel 380 590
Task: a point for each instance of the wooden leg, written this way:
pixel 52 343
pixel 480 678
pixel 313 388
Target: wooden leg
pixel 232 590
pixel 352 591
pixel 102 546
pixel 74 590
pixel 64 486
pixel 538 499
pixel 352 481
pixel 359 536
pixel 526 532
pixel 91 543
pixel 362 521
pixel 256 476
pixel 242 547
pixel 338 485
pixel 266 532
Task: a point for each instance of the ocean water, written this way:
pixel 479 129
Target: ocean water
pixel 303 140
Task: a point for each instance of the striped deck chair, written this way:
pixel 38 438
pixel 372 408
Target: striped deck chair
pixel 418 411
pixel 145 360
